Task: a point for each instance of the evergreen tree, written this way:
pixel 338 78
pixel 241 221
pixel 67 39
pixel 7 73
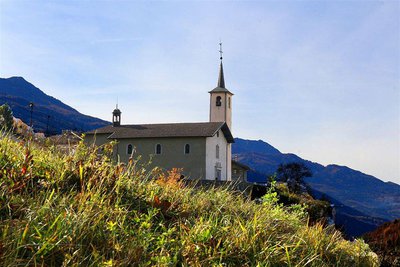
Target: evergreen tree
pixel 293 174
pixel 6 117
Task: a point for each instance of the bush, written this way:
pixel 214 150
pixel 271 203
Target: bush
pixel 6 117
pixel 318 210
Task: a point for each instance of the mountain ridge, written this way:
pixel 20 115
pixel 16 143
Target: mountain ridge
pixel 359 197
pixel 18 93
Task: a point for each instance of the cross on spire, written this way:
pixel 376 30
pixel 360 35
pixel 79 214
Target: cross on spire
pixel 220 50
pixel 221 80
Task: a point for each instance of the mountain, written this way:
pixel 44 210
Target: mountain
pixel 18 93
pixel 362 202
pixel 250 146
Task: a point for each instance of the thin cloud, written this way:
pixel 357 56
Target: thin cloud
pixel 116 40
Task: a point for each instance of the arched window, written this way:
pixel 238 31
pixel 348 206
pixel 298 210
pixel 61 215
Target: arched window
pixel 217 151
pixel 158 149
pixel 129 149
pixel 187 149
pixel 218 103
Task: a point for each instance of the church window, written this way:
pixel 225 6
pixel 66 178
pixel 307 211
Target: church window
pixel 187 149
pixel 229 102
pixel 158 149
pixel 218 103
pixel 129 149
pixel 217 151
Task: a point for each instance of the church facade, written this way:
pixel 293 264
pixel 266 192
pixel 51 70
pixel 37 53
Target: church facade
pixel 203 150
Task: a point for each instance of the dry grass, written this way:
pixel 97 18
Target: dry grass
pixel 76 209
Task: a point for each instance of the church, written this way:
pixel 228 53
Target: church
pixel 203 150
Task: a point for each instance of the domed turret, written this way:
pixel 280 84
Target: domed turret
pixel 116 120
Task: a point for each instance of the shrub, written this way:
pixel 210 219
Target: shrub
pixel 6 117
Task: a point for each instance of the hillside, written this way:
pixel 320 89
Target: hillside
pixel 385 240
pixel 76 209
pixel 18 93
pixel 362 201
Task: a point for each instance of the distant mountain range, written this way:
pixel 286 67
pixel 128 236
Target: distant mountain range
pixel 362 202
pixel 18 93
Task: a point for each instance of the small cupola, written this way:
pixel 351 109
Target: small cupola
pixel 116 119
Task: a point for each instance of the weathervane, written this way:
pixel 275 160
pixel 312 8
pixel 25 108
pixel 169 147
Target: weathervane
pixel 220 50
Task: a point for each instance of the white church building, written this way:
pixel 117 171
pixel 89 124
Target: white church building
pixel 203 150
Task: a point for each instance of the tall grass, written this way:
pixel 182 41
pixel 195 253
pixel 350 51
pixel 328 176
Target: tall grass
pixel 76 208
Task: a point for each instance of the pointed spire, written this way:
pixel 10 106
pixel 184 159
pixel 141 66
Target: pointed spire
pixel 221 79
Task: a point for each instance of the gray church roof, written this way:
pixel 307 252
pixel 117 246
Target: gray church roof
pixel 197 129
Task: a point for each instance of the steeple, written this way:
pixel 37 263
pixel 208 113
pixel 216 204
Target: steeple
pixel 221 79
pixel 221 98
pixel 221 111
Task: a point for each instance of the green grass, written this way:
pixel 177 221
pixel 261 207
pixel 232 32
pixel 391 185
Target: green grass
pixel 77 209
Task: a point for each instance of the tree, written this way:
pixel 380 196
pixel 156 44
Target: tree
pixel 293 174
pixel 6 117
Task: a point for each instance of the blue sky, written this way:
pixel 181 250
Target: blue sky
pixel 317 78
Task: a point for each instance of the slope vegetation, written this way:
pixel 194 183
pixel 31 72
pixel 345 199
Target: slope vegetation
pixel 79 209
pixel 385 240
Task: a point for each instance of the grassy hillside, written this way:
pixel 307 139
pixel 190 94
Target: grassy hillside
pixel 385 240
pixel 75 208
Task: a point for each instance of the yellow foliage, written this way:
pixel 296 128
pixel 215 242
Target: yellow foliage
pixel 173 178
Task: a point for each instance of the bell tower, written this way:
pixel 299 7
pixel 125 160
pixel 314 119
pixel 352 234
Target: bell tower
pixel 116 119
pixel 221 99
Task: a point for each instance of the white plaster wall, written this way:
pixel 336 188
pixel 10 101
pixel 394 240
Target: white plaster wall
pixel 223 112
pixel 211 159
pixel 228 111
pixel 229 161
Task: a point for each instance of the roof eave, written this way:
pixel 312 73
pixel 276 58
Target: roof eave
pixel 220 90
pixel 241 165
pixel 227 132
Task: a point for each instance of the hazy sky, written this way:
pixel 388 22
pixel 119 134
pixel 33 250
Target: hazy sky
pixel 317 78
